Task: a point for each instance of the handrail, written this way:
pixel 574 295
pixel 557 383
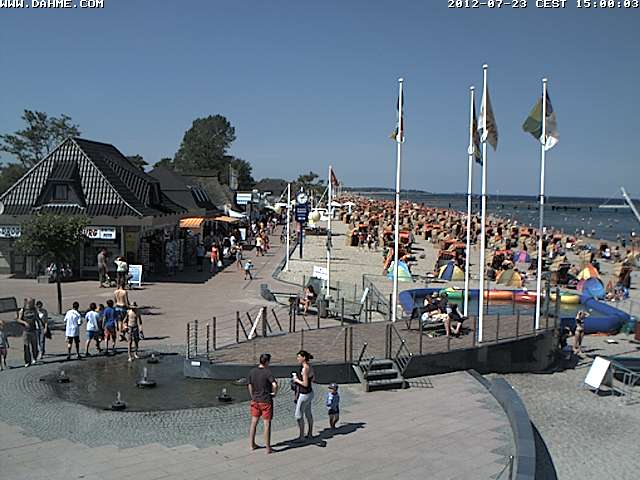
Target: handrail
pixel 403 355
pixel 364 348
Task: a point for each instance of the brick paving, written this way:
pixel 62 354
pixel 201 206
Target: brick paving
pixel 424 438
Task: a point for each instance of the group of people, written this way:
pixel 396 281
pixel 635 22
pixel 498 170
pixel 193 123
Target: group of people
pixel 438 309
pixel 263 387
pixel 34 319
pixel 122 270
pixel 118 321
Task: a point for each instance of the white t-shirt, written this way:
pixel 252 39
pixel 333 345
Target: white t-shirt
pixel 72 320
pixel 92 318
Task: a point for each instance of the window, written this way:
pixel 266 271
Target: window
pixel 61 192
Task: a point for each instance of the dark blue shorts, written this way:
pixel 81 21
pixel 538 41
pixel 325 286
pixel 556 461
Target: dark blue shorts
pixel 92 334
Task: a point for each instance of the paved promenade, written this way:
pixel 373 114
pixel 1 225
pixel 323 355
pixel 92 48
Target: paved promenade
pixel 427 436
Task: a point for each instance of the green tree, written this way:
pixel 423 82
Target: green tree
pixel 137 161
pixel 43 134
pixel 10 174
pixel 244 169
pixel 54 239
pixel 165 162
pixel 204 146
pixel 310 182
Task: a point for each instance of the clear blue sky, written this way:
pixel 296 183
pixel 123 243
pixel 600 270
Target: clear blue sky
pixel 309 83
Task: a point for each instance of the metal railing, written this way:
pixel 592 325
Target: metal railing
pixel 402 356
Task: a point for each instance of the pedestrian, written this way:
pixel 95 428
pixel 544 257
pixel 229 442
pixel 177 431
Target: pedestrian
pixel 109 325
pixel 200 254
pixel 332 401
pixel 44 332
pixel 102 268
pixel 122 269
pixel 238 254
pixel 133 327
pixel 122 305
pixel 304 393
pixel 4 346
pixel 72 322
pixel 259 246
pixel 579 334
pixel 248 266
pixel 262 387
pixel 214 258
pixel 92 317
pixel 28 318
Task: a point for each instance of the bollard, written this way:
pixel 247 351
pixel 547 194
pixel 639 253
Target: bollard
pixel 188 340
pixel 195 337
pixel 215 332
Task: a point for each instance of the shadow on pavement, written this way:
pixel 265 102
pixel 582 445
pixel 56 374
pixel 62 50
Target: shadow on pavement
pixel 544 462
pixel 319 440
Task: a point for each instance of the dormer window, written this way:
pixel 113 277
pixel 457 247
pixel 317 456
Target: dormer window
pixel 61 193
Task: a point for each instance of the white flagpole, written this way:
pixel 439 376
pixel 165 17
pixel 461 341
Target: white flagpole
pixel 286 263
pixel 396 237
pixel 328 294
pixel 484 204
pixel 543 141
pixel 467 261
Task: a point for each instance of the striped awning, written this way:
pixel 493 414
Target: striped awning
pixel 191 222
pixel 225 218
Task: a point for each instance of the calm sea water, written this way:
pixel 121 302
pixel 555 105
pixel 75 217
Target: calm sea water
pixel 580 213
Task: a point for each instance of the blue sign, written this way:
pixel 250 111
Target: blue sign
pixel 302 213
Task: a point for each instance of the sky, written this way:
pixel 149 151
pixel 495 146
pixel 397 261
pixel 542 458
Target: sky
pixel 308 84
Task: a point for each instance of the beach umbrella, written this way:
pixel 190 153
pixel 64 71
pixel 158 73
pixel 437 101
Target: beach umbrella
pixel 509 278
pixel 404 275
pixel 587 272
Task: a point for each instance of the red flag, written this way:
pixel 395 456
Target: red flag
pixel 334 179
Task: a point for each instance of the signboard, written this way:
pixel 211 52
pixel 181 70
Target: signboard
pixel 243 198
pixel 302 213
pixel 9 231
pixel 596 373
pixel 100 233
pixel 320 272
pixel 136 274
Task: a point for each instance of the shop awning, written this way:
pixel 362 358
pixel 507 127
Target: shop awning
pixel 225 219
pixel 191 222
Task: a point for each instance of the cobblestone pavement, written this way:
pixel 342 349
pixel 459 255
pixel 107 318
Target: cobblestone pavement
pixel 589 436
pixel 40 438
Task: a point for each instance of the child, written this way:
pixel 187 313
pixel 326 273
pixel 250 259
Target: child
pixel 247 270
pixel 4 346
pixel 333 405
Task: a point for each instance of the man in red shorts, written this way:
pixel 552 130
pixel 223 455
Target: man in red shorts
pixel 262 388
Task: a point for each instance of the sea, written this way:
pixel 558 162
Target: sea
pixel 570 215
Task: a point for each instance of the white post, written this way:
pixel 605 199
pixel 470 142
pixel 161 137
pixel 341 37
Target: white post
pixel 467 262
pixel 287 243
pixel 328 292
pixel 543 141
pixel 396 237
pixel 484 205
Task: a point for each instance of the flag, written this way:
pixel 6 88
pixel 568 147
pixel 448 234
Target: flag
pixel 490 134
pixel 333 179
pixel 477 154
pixel 395 135
pixel 533 124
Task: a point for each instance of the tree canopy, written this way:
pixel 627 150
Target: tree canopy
pixel 204 146
pixel 41 135
pixel 10 174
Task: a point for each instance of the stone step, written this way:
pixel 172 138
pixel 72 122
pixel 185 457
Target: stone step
pixel 382 364
pixel 382 374
pixel 385 384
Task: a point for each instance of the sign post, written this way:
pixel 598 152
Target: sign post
pixel 302 215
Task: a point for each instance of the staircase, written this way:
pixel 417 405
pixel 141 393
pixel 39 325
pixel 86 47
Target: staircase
pixel 379 374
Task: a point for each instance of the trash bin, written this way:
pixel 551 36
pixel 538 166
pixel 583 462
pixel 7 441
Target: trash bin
pixel 323 307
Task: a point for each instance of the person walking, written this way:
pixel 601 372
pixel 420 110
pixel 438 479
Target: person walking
pixel 72 322
pixel 28 318
pixel 133 327
pixel 332 402
pixel 122 305
pixel 92 317
pixel 238 255
pixel 121 272
pixel 44 332
pixel 102 268
pixel 200 254
pixel 214 258
pixel 304 393
pixel 262 387
pixel 248 266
